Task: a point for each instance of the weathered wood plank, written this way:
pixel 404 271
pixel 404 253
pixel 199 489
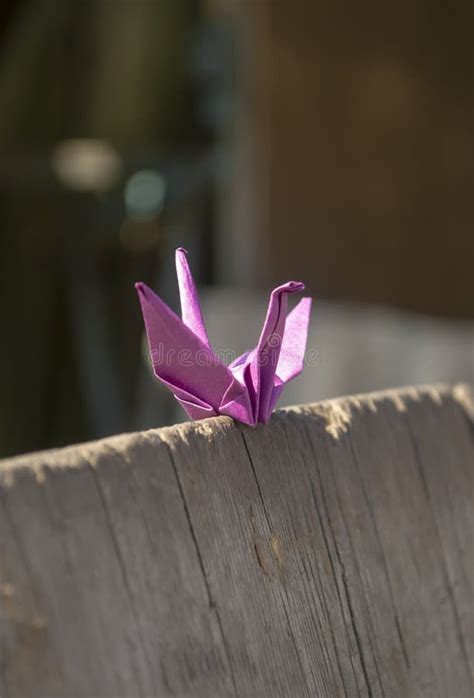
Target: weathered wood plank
pixel 446 471
pixel 326 554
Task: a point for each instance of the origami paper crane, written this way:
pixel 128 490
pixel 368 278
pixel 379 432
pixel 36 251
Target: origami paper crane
pixel 183 359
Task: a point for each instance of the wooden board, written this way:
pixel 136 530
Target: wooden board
pixel 326 554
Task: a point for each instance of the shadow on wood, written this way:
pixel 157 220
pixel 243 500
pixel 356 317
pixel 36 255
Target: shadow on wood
pixel 326 554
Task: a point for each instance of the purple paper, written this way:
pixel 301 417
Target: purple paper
pixel 183 359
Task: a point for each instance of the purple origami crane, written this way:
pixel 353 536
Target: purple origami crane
pixel 183 359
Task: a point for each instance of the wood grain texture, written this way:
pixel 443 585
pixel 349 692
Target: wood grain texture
pixel 326 554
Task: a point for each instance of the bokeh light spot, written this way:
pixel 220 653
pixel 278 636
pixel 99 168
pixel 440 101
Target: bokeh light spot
pixel 144 193
pixel 86 164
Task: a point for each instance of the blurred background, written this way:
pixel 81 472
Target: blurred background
pixel 327 142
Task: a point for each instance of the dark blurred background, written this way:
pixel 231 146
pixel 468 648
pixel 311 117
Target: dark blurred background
pixel 329 142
